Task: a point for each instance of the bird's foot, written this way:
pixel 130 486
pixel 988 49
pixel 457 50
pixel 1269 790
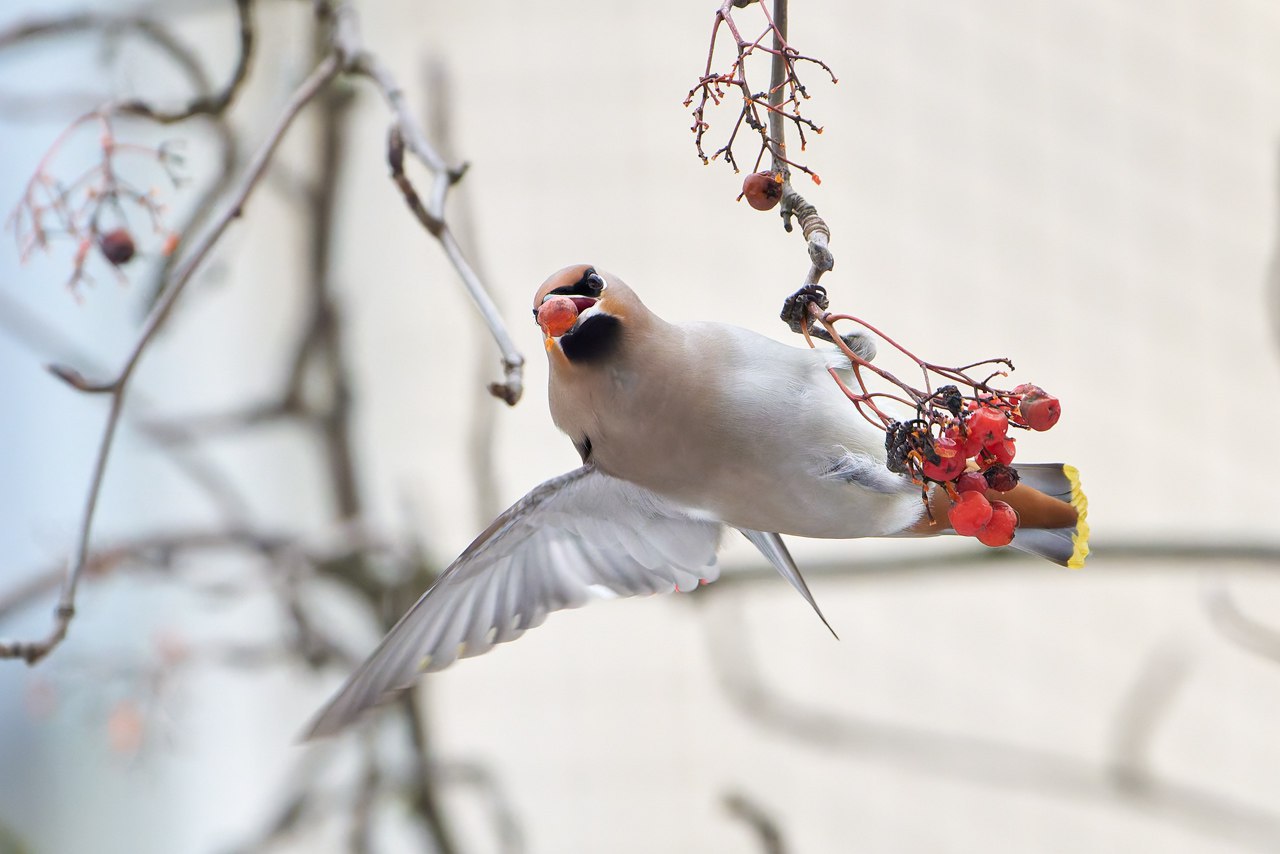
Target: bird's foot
pixel 795 309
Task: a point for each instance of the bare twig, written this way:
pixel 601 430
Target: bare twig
pixel 483 424
pixel 33 651
pixel 812 226
pixel 407 133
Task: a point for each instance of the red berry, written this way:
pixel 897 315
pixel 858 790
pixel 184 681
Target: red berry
pixel 970 514
pixel 1002 451
pixel 117 246
pixel 763 190
pixel 557 315
pixel 1000 477
pixel 1028 388
pixel 999 530
pixel 950 464
pixel 989 424
pixel 1040 411
pixel 971 481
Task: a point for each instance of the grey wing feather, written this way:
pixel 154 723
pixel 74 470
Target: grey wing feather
pixel 579 536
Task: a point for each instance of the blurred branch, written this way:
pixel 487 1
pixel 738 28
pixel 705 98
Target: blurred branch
pixel 1147 702
pixel 33 651
pixel 1237 627
pixel 765 828
pixel 48 343
pixel 974 759
pixel 214 104
pixel 1119 554
pixel 426 795
pixel 501 812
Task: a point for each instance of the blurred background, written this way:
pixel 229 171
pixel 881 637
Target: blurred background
pixel 1089 188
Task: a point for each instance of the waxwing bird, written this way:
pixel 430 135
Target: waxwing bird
pixel 685 430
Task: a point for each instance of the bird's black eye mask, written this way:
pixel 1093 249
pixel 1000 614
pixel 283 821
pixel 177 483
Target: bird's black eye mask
pixel 590 286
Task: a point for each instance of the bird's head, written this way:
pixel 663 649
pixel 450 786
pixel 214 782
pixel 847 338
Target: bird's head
pixel 592 329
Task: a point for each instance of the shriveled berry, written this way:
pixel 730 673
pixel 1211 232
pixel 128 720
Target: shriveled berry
pixel 1040 411
pixel 999 530
pixel 557 315
pixel 971 481
pixel 763 190
pixel 117 246
pixel 970 514
pixel 989 424
pixel 950 462
pixel 1000 476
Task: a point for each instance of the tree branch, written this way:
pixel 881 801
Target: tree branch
pixel 33 651
pixel 407 133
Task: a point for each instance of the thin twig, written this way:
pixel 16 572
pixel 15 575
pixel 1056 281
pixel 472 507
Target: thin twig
pixel 33 651
pixel 407 133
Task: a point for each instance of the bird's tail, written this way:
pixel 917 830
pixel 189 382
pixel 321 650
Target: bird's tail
pixel 1039 532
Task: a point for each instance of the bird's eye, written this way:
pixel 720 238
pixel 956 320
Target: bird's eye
pixel 594 283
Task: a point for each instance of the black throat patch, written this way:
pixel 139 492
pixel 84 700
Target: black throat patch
pixel 596 338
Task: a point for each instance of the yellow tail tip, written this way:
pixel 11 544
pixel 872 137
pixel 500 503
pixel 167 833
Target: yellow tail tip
pixel 1080 539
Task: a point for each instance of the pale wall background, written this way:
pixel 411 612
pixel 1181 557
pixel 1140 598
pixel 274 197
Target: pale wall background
pixel 1087 187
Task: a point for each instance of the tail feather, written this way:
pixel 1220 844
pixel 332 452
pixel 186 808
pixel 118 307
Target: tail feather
pixel 1067 546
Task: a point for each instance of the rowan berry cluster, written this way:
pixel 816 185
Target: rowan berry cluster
pixel 964 445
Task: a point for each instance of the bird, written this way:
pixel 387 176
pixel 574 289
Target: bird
pixel 685 431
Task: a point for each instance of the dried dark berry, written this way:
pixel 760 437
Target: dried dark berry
pixel 1000 477
pixel 949 396
pixel 117 246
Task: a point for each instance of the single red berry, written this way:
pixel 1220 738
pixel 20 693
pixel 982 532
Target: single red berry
pixel 989 423
pixel 1040 411
pixel 557 315
pixel 970 514
pixel 999 530
pixel 1000 476
pixel 763 190
pixel 117 246
pixel 971 481
pixel 1002 451
pixel 950 464
pixel 1028 388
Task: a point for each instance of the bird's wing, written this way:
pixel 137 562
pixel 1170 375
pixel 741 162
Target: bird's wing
pixel 578 536
pixel 773 548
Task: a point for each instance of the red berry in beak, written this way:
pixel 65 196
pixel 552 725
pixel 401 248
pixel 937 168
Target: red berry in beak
pixel 557 315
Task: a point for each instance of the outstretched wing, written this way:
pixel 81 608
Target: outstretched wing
pixel 578 536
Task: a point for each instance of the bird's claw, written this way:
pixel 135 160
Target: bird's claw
pixel 796 307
